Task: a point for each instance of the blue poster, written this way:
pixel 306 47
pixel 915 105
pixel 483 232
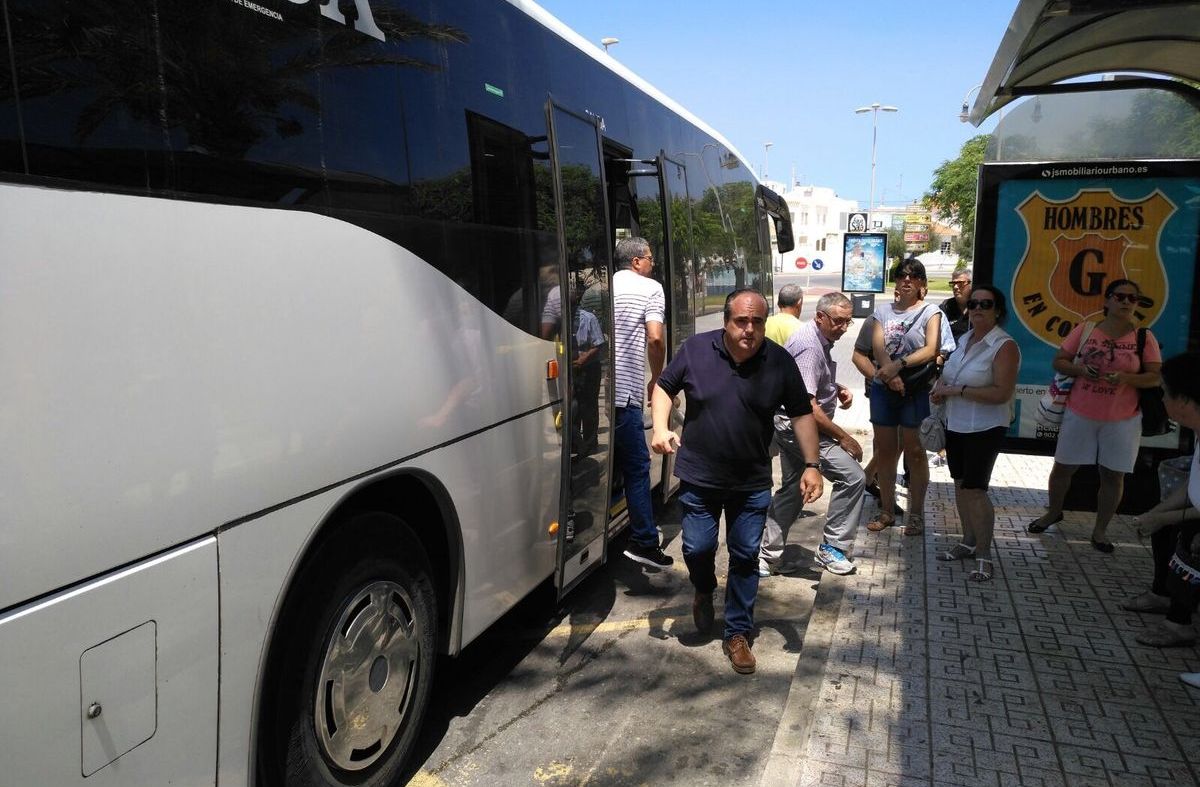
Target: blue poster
pixel 1061 232
pixel 864 260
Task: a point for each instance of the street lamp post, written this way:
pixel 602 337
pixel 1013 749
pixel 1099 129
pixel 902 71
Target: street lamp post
pixel 965 114
pixel 766 153
pixel 874 109
pixel 608 41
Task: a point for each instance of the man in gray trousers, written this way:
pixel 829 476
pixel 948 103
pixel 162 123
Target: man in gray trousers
pixel 840 454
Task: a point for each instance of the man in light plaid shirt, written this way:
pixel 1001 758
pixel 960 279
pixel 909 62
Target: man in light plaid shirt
pixel 840 454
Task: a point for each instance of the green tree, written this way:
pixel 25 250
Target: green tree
pixel 895 245
pixel 1159 122
pixel 952 192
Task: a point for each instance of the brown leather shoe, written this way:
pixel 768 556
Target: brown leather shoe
pixel 738 651
pixel 702 612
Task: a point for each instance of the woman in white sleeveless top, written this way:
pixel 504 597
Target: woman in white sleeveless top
pixel 977 386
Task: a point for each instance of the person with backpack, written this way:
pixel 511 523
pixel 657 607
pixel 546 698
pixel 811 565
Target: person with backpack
pixel 1102 424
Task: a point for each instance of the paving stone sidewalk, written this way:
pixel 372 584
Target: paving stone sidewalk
pixel 1033 678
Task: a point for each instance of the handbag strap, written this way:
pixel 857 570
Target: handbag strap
pixel 909 325
pixel 1083 338
pixel 1141 346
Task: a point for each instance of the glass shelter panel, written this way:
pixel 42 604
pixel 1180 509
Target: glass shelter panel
pixel 1110 125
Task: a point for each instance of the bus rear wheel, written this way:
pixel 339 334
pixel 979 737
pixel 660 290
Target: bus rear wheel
pixel 356 660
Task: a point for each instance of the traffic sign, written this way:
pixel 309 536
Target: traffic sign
pixel 818 264
pixel 801 263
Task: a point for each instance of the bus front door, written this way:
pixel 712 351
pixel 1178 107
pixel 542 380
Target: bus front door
pixel 677 276
pixel 585 352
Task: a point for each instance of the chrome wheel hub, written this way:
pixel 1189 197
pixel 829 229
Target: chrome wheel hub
pixel 366 676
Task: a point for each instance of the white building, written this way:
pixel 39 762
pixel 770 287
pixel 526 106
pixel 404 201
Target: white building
pixel 940 262
pixel 818 223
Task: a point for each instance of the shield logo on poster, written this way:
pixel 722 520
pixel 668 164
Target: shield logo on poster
pixel 1076 246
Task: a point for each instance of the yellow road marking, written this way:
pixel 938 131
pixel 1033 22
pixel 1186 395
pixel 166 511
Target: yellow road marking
pixel 767 608
pixel 554 772
pixel 425 779
pixel 603 627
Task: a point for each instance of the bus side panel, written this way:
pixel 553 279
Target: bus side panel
pixel 257 560
pixel 503 484
pixel 169 367
pixel 50 652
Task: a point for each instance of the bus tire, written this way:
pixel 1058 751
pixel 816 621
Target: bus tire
pixel 355 666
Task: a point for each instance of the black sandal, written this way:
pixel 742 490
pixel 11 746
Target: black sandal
pixel 959 551
pixel 1034 527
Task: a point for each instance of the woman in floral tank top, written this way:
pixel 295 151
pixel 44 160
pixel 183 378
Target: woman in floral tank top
pixel 1102 424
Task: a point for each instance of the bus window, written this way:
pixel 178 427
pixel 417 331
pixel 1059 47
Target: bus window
pixel 81 118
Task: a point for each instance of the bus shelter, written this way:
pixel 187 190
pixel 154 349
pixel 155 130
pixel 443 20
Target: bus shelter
pixel 1092 174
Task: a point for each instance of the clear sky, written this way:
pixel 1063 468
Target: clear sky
pixel 792 72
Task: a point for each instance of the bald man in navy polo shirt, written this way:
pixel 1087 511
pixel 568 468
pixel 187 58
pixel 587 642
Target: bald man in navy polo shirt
pixel 734 381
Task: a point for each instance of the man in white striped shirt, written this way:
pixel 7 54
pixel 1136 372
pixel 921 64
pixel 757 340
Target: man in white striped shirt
pixel 638 310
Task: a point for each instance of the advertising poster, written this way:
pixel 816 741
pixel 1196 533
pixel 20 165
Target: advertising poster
pixel 865 256
pixel 1053 236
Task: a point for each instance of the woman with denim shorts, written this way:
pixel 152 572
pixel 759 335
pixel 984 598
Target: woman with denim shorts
pixel 1102 424
pixel 907 336
pixel 977 388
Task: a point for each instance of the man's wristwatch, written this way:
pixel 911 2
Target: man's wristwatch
pixel 815 465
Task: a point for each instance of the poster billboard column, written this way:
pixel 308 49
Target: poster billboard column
pixel 863 272
pixel 1054 235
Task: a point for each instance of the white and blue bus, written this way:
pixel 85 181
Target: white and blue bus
pixel 285 407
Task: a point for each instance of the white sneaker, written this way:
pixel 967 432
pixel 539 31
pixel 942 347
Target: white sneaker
pixel 834 560
pixel 764 570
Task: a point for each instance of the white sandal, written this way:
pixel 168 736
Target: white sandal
pixel 981 574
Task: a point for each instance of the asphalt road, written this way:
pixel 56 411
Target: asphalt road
pixel 616 687
pixel 809 279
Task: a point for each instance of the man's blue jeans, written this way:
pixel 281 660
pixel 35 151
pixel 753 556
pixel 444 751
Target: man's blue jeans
pixel 633 458
pixel 745 513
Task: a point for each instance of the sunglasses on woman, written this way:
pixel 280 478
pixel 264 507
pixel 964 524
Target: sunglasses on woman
pixel 981 303
pixel 1124 297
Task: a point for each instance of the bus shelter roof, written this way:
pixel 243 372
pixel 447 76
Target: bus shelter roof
pixel 1050 41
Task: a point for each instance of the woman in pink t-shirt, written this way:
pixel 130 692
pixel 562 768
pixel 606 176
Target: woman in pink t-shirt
pixel 1102 425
